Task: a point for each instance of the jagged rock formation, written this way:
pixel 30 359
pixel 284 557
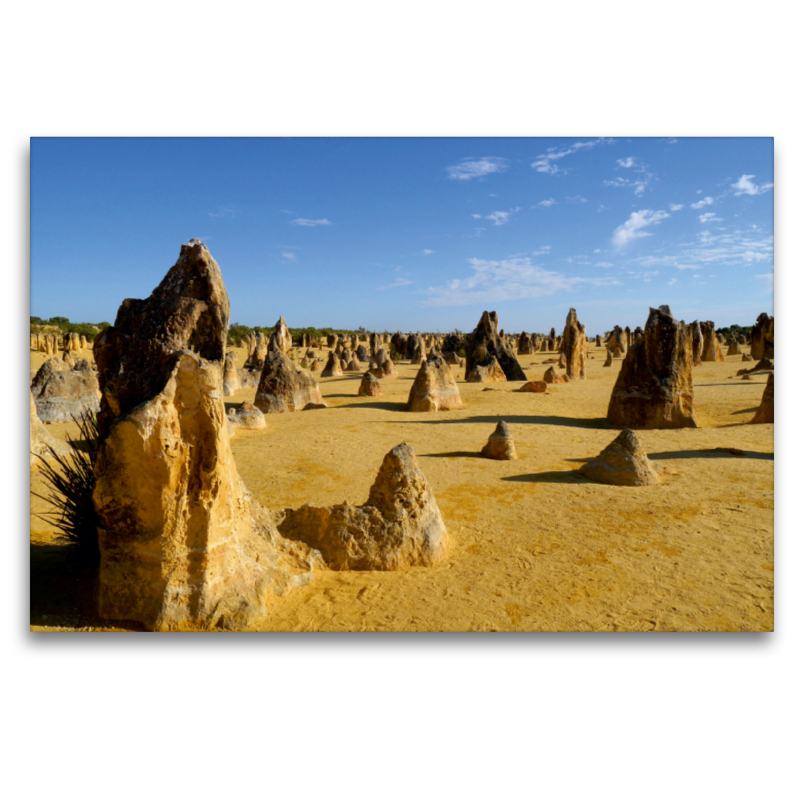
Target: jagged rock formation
pixel 763 337
pixel 62 393
pixel 182 544
pixel 574 346
pixel 654 385
pixel 551 376
pixel 766 411
pixel 246 415
pixel 434 388
pixel 333 367
pixel 698 343
pixel 420 353
pixel 490 373
pixel 285 386
pixel 500 446
pixel 524 345
pixel 711 349
pixel 623 463
pixel 485 342
pixel 281 335
pixel 615 342
pixel 260 348
pixel 540 387
pixel 42 442
pixel 370 386
pixel 399 526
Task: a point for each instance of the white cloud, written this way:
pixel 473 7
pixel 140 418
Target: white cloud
pixel 427 252
pixel 672 282
pixel 476 216
pixel 476 168
pixel 769 278
pixel 398 282
pixel 709 217
pixel 310 223
pixel 675 206
pixel 598 250
pixel 637 185
pixel 749 256
pixel 506 279
pixel 289 256
pixel 576 199
pixel 706 201
pixel 498 217
pixel 604 264
pixel 544 163
pixel 223 212
pixel 746 186
pixel 632 227
pixel 545 203
pixel 628 162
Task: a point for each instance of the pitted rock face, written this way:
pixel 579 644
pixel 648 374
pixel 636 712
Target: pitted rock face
pixel 286 387
pixel 370 386
pixel 399 526
pixel 282 337
pixel 434 388
pixel 485 342
pixel 623 463
pixel 246 415
pixel 654 385
pixel 188 311
pixel 574 346
pixel 490 372
pixel 61 393
pixel 500 446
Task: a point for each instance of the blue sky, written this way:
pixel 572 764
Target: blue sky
pixel 411 233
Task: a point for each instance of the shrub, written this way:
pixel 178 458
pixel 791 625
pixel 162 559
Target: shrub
pixel 71 482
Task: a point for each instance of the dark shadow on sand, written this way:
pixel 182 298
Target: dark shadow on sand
pixel 596 423
pixel 554 476
pixel 455 454
pixel 722 452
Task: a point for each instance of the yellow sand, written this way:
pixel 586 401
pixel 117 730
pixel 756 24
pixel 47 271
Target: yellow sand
pixel 532 547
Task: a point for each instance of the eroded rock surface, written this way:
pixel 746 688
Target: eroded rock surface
pixel 370 386
pixel 42 442
pixel 485 342
pixel 623 463
pixel 246 415
pixel 286 386
pixel 62 393
pixel 491 372
pixel 574 346
pixel 434 388
pixel 766 411
pixel 500 446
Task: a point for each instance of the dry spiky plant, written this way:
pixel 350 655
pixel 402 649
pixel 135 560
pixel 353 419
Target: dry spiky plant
pixel 71 482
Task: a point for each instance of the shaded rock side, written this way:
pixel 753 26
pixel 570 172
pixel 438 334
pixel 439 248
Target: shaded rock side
pixel 485 342
pixel 711 346
pixel 182 543
pixel 654 385
pixel 434 388
pixel 230 376
pixel 370 386
pixel 490 373
pixel 500 446
pixel 399 526
pixel 623 463
pixel 766 411
pixel 333 367
pixel 285 386
pixel 43 444
pixel 574 346
pixel 762 343
pixel 61 393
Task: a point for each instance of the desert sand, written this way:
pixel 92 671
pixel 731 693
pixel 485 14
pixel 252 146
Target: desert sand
pixel 533 545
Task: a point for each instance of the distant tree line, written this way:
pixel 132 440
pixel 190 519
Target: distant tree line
pixel 87 329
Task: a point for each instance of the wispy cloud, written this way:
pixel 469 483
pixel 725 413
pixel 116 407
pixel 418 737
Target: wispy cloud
pixel 545 203
pixel 769 278
pixel 576 198
pixel 476 168
pixel 310 223
pixel 709 217
pixel 498 217
pixel 638 185
pixel 675 206
pixel 631 162
pixel 545 162
pixel 672 282
pixel 746 186
pixel 290 256
pixel 706 201
pixel 398 282
pixel 428 252
pixel 633 227
pixel 223 212
pixel 506 279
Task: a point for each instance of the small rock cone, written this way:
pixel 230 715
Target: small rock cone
pixel 623 463
pixel 500 446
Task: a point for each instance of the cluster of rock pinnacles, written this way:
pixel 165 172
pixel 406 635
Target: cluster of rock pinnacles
pixel 185 546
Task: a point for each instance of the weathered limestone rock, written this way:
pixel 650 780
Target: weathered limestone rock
pixel 283 338
pixel 362 353
pixel 615 342
pixel 733 348
pixel 574 346
pixel 399 526
pixel 420 353
pixel 766 411
pixel 434 388
pixel 485 342
pixel 84 342
pixel 61 393
pixel 333 367
pixel 42 442
pixel 286 387
pixel 623 463
pixel 333 340
pixel 534 386
pixel 388 368
pixel 698 344
pixel 746 357
pixel 182 543
pixel 762 366
pixel 230 376
pixel 763 337
pixel 500 446
pixel 375 370
pixel 370 386
pixel 246 415
pixel 609 358
pixel 562 362
pixel 490 373
pixel 524 345
pixel 551 376
pixel 353 366
pixel 654 385
pixel 711 348
pixel 260 348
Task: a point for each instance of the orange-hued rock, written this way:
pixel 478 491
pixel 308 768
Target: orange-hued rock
pixel 500 446
pixel 763 337
pixel 623 463
pixel 654 385
pixel 230 376
pixel 42 443
pixel 733 348
pixel 711 346
pixel 534 386
pixel 551 376
pixel 286 386
pixel 388 368
pixel 766 411
pixel 260 345
pixel 485 342
pixel 333 367
pixel 434 388
pixel 609 359
pixel 489 373
pixel 370 386
pixel 574 347
pixel 399 526
pixel 182 543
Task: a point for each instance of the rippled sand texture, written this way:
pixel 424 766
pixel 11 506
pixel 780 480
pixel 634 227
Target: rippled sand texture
pixel 533 547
